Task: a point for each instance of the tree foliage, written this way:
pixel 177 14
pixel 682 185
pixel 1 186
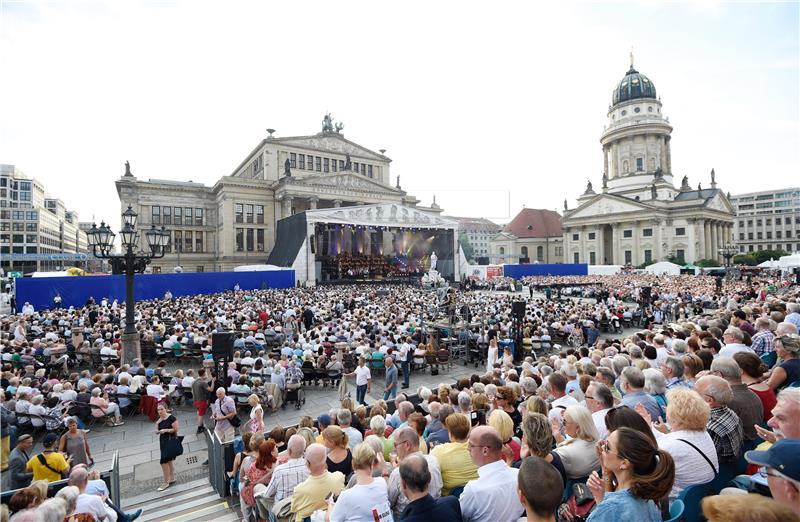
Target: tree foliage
pixel 466 247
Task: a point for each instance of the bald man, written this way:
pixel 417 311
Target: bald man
pixel 309 495
pixel 491 497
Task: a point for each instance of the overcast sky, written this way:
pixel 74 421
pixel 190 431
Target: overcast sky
pixel 488 105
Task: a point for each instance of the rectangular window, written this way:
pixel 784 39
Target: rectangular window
pixel 769 234
pixel 187 241
pixel 199 269
pixel 627 233
pixel 155 216
pixel 363 169
pixel 333 165
pixel 759 235
pixel 31 227
pixel 680 231
pixel 259 214
pixel 167 213
pixel 239 211
pixel 749 248
pixel 178 218
pixel 249 208
pixel 341 164
pixel 369 170
pixel 778 234
pixel 156 269
pixel 750 235
pixel 187 215
pixel 198 216
pixel 591 235
pixel 680 254
pixel 31 215
pixel 628 257
pixel 239 239
pixel 575 237
pixel 178 238
pixel 769 222
pixel 758 222
pixel 575 258
pixel 198 241
pixel 318 164
pixel 260 239
pixel 592 260
pixel 293 159
pixel 326 165
pixel 639 164
pixel 787 221
pixel 648 256
pixel 168 248
pixel 249 239
pixel 741 236
pixel 355 166
pixel 302 164
pixel 749 222
pixel 741 224
pixel 30 238
pixel 647 232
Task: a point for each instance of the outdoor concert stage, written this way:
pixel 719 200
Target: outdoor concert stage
pixel 384 243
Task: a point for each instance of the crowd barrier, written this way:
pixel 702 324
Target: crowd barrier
pixel 519 271
pixel 76 290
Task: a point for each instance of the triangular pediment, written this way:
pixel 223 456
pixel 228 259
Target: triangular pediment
pixel 719 202
pixel 341 180
pixel 605 204
pixel 332 142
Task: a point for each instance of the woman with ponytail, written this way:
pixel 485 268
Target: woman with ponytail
pixel 636 477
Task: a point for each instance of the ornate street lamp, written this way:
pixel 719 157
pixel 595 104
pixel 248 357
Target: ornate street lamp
pixel 101 241
pixel 728 251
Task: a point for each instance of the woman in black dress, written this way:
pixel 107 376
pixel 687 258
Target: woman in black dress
pixel 167 428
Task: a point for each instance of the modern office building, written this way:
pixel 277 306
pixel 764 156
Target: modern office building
pixel 767 220
pixel 33 222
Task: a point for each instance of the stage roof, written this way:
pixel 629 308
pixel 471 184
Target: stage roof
pixel 389 215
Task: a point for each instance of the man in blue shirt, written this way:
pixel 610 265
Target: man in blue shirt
pixel 391 378
pixel 632 384
pixel 414 480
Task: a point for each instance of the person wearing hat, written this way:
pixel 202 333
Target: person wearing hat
pixel 49 465
pixel 19 476
pixel 782 461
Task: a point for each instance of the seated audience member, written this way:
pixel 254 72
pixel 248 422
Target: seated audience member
pixel 457 467
pixel 753 369
pixel 540 488
pixel 636 476
pixel 406 443
pixel 537 441
pixel 784 417
pixel 369 498
pixel 489 498
pixel 632 384
pixel 578 452
pixel 782 463
pixel 745 508
pixel 724 425
pixel 309 495
pixel 788 371
pixel 422 507
pixel 744 403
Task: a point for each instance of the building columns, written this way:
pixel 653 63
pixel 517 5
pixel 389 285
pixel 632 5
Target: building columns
pixel 312 203
pixel 714 240
pixel 287 206
pixel 706 239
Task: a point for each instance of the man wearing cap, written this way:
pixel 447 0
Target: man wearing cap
pixel 782 461
pixel 50 464
pixel 19 476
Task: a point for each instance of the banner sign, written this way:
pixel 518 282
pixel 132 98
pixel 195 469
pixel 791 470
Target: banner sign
pixel 47 257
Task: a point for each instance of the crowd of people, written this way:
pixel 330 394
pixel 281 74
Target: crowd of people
pixel 610 427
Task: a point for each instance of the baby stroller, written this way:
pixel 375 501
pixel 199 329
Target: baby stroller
pixel 296 395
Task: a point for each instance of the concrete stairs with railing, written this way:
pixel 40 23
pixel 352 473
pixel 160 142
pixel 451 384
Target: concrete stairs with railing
pixel 191 501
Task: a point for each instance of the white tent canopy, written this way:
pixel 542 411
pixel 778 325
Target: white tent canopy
pixel 789 262
pixel 663 267
pixel 770 263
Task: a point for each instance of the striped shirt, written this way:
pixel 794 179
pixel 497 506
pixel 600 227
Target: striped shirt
pixel 286 477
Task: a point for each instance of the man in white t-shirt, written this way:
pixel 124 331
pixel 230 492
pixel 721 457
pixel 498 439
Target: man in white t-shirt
pixel 403 358
pixel 87 503
pixel 363 380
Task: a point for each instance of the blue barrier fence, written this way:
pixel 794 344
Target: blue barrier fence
pixel 518 271
pixel 76 290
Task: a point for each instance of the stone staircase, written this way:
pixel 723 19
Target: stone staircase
pixel 191 501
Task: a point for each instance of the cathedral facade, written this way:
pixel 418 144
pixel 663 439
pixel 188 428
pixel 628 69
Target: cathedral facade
pixel 637 215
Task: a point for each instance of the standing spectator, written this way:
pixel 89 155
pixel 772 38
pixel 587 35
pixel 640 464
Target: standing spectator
pixel 403 356
pixel 744 403
pixel 788 371
pixel 49 465
pixel 724 425
pixel 391 378
pixel 489 499
pixel 309 495
pixel 540 488
pixel 75 444
pixel 422 507
pixel 201 388
pixel 636 475
pixel 363 380
pixel 167 428
pixel 223 411
pixel 18 475
pixel 368 500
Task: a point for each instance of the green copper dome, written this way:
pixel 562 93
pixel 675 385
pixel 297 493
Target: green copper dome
pixel 633 86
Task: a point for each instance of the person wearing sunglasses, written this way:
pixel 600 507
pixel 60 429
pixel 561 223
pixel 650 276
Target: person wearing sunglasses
pixel 636 475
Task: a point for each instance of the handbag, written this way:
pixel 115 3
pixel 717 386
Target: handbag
pixel 173 447
pixel 579 505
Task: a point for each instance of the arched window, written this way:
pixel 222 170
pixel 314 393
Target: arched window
pixel 540 253
pixel 523 252
pixel 502 251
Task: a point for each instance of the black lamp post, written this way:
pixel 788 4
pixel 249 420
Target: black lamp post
pixel 728 251
pixel 101 241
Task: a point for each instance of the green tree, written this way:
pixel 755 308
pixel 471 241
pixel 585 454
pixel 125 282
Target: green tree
pixel 707 262
pixel 466 247
pixel 744 259
pixel 765 255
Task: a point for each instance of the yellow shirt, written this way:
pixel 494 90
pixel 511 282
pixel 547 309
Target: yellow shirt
pixel 456 465
pixel 310 494
pixel 40 472
pixel 423 446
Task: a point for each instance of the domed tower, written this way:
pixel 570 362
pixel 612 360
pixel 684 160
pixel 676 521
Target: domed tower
pixel 636 149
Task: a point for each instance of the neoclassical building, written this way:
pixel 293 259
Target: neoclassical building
pixel 637 215
pixel 533 236
pixel 233 222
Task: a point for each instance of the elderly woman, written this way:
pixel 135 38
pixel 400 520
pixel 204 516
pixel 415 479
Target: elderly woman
pixel 578 452
pixel 103 408
pixel 788 371
pixel 656 385
pixel 537 441
pixel 377 425
pixel 687 439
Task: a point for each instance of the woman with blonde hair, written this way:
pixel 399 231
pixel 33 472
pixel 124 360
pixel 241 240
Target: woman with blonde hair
pixel 256 422
pixel 501 421
pixel 339 457
pixel 536 404
pixel 745 508
pixel 369 493
pixel 577 453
